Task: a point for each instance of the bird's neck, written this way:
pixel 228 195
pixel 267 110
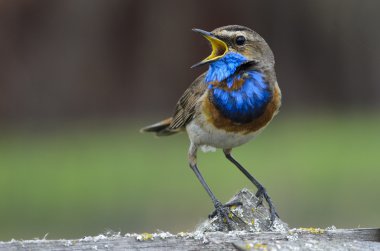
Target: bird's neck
pixel 224 67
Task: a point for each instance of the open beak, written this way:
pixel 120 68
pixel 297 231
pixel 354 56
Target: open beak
pixel 219 48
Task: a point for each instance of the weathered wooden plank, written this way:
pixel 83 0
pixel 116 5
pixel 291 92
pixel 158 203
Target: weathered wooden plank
pixel 251 231
pixel 296 239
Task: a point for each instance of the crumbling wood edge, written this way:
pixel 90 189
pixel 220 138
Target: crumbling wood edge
pixel 252 230
pixel 295 239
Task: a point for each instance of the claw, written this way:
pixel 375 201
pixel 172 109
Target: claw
pixel 262 194
pixel 223 213
pixel 227 205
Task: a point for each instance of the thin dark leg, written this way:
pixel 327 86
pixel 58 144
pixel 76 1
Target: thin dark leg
pixel 215 201
pixel 219 207
pixel 221 210
pixel 261 191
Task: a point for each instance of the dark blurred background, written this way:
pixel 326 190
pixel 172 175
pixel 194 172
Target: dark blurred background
pixel 78 79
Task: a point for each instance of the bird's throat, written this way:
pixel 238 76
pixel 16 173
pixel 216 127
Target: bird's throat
pixel 224 67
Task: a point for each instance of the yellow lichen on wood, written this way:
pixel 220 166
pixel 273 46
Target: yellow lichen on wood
pixel 256 246
pixel 312 230
pixel 260 246
pixel 146 236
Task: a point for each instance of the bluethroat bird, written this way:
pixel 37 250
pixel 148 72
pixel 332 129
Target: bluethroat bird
pixel 228 105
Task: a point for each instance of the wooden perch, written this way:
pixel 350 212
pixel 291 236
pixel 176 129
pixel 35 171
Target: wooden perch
pixel 252 231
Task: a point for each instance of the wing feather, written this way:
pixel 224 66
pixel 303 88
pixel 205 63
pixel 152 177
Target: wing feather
pixel 186 106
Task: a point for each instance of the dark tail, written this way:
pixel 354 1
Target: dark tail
pixel 160 128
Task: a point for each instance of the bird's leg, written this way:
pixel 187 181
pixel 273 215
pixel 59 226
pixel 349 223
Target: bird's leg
pixel 261 191
pixel 220 209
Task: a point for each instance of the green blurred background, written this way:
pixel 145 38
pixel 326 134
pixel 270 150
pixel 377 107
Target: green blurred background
pixel 79 78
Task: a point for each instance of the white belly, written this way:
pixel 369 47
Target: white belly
pixel 202 134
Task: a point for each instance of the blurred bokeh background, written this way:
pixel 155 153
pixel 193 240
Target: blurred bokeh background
pixel 79 78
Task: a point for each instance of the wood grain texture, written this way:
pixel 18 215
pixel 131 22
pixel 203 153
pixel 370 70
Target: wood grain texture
pixel 258 235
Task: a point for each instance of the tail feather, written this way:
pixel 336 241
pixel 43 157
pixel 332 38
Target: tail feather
pixel 160 128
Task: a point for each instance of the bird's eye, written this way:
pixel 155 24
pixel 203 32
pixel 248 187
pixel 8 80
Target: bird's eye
pixel 240 40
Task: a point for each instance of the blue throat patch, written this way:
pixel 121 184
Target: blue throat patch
pixel 224 67
pixel 246 103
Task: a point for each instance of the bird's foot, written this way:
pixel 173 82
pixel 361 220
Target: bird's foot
pixel 223 211
pixel 262 194
pixel 228 205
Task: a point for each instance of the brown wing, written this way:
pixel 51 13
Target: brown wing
pixel 186 106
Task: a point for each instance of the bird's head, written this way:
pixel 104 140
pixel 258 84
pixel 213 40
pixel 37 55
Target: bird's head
pixel 233 46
